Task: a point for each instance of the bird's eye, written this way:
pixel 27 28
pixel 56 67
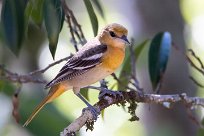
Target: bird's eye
pixel 112 34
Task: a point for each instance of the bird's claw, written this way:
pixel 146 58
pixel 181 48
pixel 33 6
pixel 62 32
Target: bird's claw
pixel 109 93
pixel 95 112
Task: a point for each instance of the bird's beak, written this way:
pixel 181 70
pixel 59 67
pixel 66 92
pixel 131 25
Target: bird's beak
pixel 125 39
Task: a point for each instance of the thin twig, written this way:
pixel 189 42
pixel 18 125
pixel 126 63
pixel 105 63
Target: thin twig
pixel 67 14
pixel 103 83
pixel 201 70
pixel 196 57
pixel 27 78
pixel 132 59
pixel 50 65
pixel 116 78
pixel 193 118
pixel 196 82
pixel 78 36
pixel 77 24
pixel 133 66
pixel 120 82
pixel 194 65
pixel 15 102
pixel 14 77
pixel 74 26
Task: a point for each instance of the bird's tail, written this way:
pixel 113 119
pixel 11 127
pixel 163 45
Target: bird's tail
pixel 54 92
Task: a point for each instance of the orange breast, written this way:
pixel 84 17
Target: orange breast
pixel 113 58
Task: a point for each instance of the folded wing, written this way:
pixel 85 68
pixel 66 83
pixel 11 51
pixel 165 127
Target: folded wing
pixel 81 62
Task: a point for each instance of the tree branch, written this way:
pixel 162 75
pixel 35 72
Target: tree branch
pixel 131 96
pixel 27 78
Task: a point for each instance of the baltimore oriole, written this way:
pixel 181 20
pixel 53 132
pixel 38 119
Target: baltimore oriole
pixel 97 59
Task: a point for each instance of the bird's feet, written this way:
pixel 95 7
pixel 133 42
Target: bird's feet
pixel 95 112
pixel 106 92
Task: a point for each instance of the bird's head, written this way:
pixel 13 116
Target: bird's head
pixel 114 35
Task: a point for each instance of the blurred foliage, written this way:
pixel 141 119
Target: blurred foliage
pixel 99 7
pixel 34 11
pixel 54 19
pixel 196 7
pixel 7 87
pixel 201 130
pixel 50 121
pixel 13 24
pixel 16 16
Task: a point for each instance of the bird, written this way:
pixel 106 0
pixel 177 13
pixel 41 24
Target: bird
pixel 97 59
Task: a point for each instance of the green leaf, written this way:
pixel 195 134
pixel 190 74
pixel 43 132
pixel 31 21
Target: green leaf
pixel 92 16
pixel 158 56
pixel 99 7
pixel 126 69
pixel 34 11
pixel 37 11
pixel 27 14
pixel 12 23
pixel 85 93
pixel 54 18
